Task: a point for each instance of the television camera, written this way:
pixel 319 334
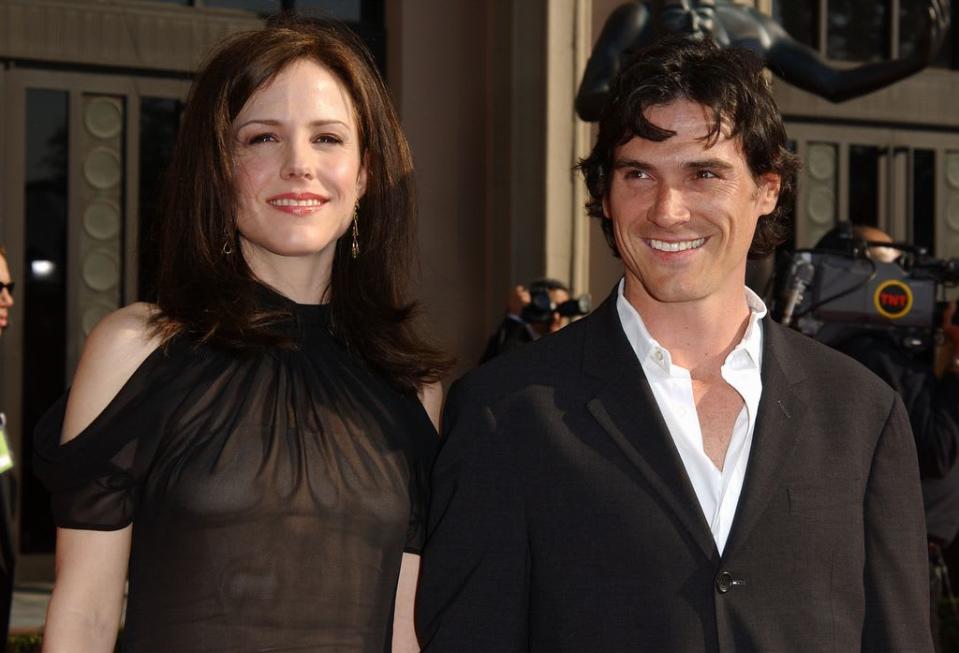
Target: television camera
pixel 830 293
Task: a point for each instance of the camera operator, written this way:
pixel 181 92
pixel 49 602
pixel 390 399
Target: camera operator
pixel 544 307
pixel 932 404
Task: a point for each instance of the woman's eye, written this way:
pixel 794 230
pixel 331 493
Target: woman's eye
pixel 261 138
pixel 328 139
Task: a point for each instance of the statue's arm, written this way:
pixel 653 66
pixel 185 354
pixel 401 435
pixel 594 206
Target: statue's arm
pixel 802 66
pixel 626 27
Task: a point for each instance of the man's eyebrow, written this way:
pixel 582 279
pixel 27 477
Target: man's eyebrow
pixel 696 164
pixel 630 163
pixel 715 164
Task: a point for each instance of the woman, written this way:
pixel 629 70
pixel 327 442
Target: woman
pixel 259 427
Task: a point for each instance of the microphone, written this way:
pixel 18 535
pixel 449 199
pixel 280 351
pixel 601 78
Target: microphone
pixel 802 273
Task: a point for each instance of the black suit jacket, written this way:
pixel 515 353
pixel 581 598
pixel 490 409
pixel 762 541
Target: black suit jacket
pixel 563 518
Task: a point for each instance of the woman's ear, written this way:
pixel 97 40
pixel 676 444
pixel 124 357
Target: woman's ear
pixel 361 179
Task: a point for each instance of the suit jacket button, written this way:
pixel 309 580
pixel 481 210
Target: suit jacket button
pixel 724 582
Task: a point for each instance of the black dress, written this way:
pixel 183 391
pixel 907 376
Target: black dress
pixel 272 494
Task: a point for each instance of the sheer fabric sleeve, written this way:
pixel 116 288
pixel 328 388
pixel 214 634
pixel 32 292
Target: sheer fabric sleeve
pixel 93 479
pixel 420 469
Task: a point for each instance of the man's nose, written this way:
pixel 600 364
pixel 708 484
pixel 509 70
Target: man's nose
pixel 669 207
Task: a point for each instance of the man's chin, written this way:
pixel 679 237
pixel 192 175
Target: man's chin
pixel 670 292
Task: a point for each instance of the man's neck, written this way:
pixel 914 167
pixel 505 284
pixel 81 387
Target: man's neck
pixel 698 334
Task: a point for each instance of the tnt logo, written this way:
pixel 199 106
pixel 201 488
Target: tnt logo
pixel 893 299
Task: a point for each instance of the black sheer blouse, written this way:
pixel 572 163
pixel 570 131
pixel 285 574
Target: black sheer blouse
pixel 271 494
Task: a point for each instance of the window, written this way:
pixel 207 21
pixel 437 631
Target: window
pixel 862 30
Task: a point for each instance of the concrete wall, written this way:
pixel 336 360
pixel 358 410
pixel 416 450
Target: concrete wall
pixel 485 92
pixel 439 63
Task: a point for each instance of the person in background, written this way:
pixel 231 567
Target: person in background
pixel 520 326
pixel 255 447
pixel 6 291
pixel 932 403
pixel 7 553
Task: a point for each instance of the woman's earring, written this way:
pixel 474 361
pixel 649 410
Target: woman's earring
pixel 355 248
pixel 227 247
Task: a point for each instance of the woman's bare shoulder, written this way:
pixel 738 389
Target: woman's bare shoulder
pixel 113 351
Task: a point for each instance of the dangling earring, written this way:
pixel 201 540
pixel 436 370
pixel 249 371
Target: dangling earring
pixel 227 248
pixel 355 248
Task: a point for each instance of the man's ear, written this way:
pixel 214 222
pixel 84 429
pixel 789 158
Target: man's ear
pixel 768 192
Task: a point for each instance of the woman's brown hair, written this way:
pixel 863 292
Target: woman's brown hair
pixel 207 291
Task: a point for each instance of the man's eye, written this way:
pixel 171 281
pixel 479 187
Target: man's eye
pixel 706 174
pixel 635 173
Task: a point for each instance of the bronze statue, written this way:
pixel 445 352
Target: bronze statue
pixel 636 24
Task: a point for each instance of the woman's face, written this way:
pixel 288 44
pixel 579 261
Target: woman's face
pixel 299 169
pixel 6 297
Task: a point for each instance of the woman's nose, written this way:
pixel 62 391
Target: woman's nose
pixel 296 163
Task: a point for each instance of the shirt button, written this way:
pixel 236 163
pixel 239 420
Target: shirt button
pixel 659 354
pixel 724 582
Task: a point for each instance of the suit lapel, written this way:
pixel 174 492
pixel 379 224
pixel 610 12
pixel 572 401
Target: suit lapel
pixel 626 410
pixel 778 430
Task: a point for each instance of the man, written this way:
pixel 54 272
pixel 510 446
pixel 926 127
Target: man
pixel 674 472
pixel 636 24
pixel 523 325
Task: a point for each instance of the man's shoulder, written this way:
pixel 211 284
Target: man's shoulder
pixel 822 365
pixel 544 361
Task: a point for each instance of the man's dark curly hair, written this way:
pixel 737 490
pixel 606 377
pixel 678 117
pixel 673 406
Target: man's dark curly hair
pixel 730 83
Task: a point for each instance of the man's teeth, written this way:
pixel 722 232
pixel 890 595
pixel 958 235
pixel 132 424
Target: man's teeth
pixel 287 202
pixel 663 246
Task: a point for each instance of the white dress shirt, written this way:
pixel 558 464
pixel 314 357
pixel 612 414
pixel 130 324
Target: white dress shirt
pixel 717 490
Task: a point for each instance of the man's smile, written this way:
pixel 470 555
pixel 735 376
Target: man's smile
pixel 675 246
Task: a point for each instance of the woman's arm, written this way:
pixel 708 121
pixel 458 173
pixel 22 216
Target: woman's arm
pixel 91 566
pixel 404 636
pixel 84 611
pixel 404 633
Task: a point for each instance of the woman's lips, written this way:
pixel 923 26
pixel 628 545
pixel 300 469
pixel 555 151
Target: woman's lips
pixel 297 203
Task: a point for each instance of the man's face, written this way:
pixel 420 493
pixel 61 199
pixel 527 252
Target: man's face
pixel 684 213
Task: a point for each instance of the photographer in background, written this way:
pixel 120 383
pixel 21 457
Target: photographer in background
pixel 545 307
pixel 6 478
pixel 931 401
